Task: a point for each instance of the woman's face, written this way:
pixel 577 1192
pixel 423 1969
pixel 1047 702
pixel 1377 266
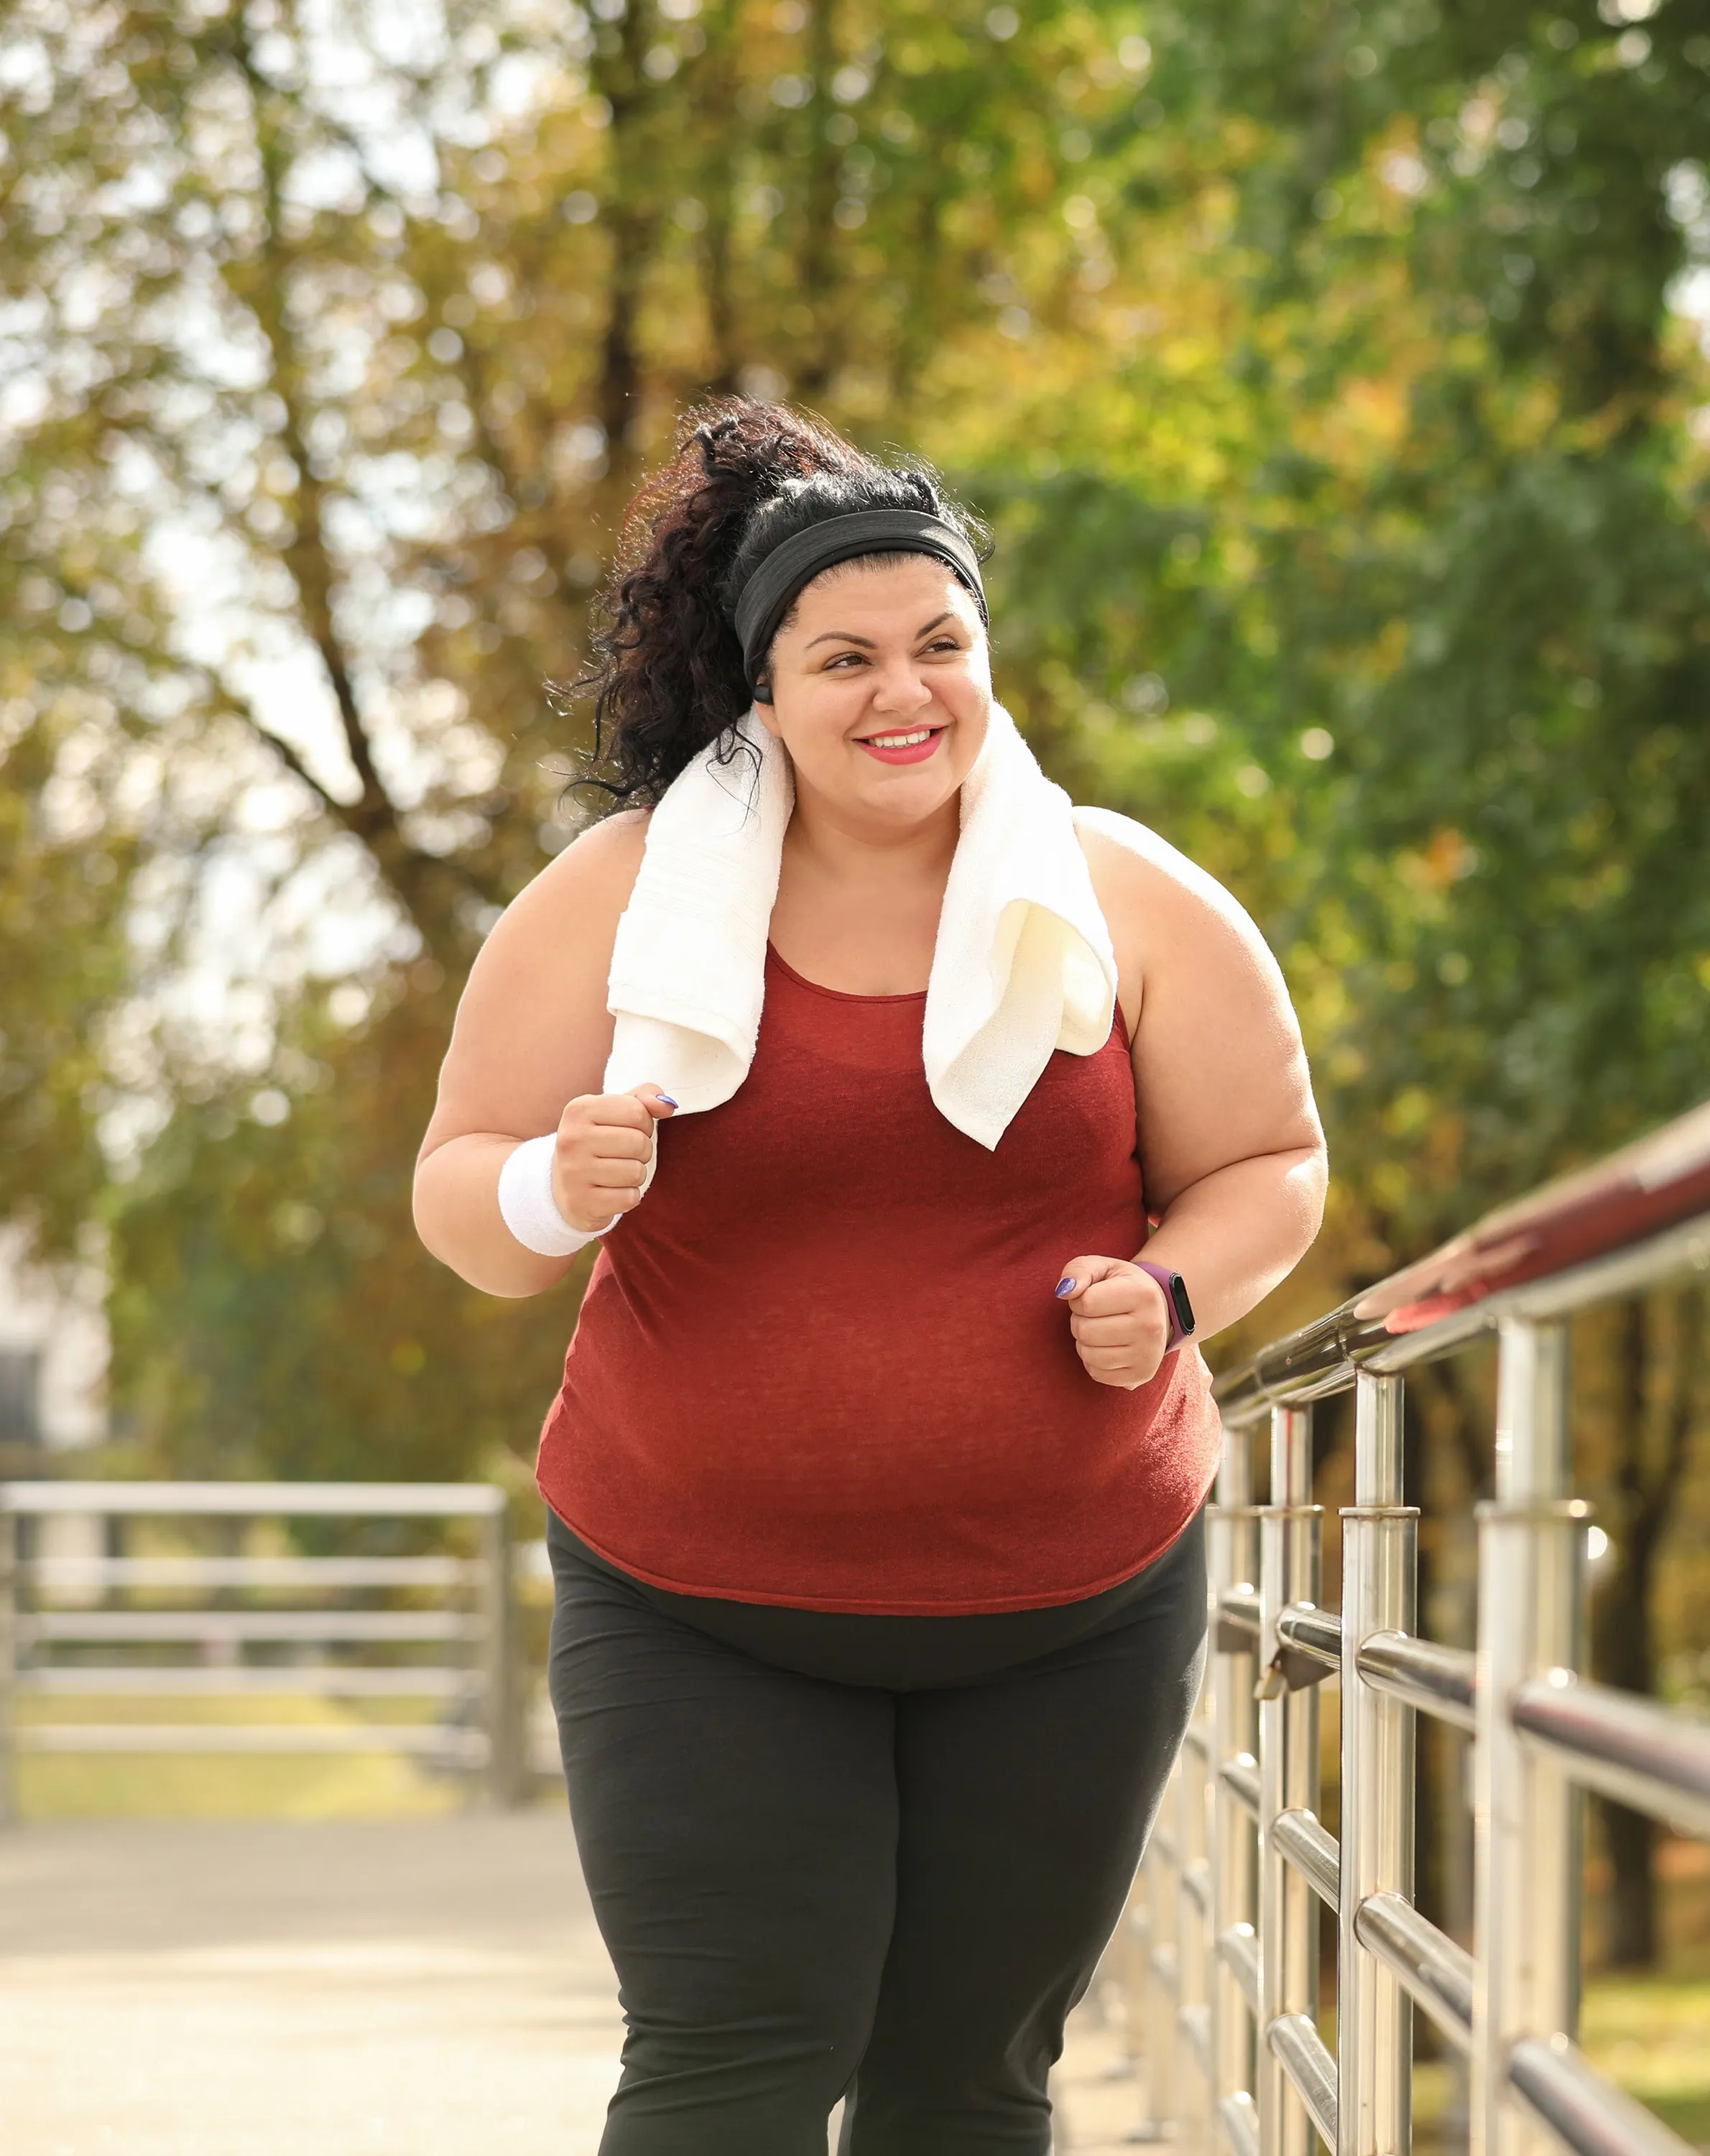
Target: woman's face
pixel 881 683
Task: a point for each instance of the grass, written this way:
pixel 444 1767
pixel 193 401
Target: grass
pixel 1648 2034
pixel 1652 2035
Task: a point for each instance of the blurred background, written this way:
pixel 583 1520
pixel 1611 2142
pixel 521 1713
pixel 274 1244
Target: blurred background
pixel 1333 380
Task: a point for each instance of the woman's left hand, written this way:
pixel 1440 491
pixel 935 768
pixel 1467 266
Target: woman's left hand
pixel 1119 1319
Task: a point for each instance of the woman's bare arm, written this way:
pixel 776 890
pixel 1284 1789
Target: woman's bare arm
pixel 1230 1141
pixel 532 1035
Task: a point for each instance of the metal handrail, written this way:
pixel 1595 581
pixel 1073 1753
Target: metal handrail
pixel 1438 1681
pixel 41 1614
pixel 1472 1282
pixel 1652 1759
pixel 1579 2107
pixel 1436 1972
pixel 1241 1776
pixel 1305 2057
pixel 1311 1848
pixel 1226 2004
pixel 1313 1632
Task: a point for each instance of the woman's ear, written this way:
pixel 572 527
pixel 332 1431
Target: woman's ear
pixel 762 692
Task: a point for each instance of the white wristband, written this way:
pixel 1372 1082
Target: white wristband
pixel 529 1209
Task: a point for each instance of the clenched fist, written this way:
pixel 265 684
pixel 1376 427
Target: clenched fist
pixel 605 1141
pixel 1119 1319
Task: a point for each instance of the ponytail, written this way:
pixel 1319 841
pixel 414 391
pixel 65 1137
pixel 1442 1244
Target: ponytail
pixel 668 669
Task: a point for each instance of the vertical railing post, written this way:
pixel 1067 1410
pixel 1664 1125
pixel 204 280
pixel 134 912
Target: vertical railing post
pixel 1289 1778
pixel 1374 2015
pixel 500 1684
pixel 8 1666
pixel 1127 1965
pixel 1162 2038
pixel 1196 1947
pixel 1234 1730
pixel 1526 1848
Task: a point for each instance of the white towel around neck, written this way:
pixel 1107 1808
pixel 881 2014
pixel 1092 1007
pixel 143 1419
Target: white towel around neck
pixel 1023 963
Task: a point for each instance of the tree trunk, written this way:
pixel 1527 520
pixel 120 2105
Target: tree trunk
pixel 719 82
pixel 816 261
pixel 633 217
pixel 1624 1657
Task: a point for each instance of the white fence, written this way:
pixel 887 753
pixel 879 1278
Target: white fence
pixel 185 1626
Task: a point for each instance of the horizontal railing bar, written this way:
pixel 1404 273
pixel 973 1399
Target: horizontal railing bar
pixel 1313 1851
pixel 1434 1972
pixel 1196 1883
pixel 1239 2115
pixel 1240 1776
pixel 77 1574
pixel 1238 1950
pixel 1312 1631
pixel 316 1681
pixel 1300 2052
pixel 1163 1846
pixel 1438 1681
pixel 396 1500
pixel 1196 1738
pixel 1591 2115
pixel 1655 1759
pixel 469 1745
pixel 1194 2023
pixel 1685 1248
pixel 1239 1606
pixel 1321 1359
pixel 67 1627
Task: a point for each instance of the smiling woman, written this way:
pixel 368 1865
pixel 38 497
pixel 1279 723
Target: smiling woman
pixel 925 1122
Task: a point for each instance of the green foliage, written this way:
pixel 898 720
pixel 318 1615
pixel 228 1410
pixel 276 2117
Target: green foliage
pixel 273 1311
pixel 1463 559
pixel 1317 370
pixel 62 906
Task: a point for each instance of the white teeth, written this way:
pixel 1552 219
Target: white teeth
pixel 898 740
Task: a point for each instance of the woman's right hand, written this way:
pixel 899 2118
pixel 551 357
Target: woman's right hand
pixel 605 1141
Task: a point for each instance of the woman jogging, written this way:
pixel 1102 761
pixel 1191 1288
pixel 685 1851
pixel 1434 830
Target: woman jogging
pixel 875 1481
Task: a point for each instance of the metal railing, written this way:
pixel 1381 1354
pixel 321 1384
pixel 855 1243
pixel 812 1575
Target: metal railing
pixel 1219 1954
pixel 189 1623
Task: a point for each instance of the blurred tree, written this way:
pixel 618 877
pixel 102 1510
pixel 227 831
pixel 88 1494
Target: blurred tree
pixel 1319 369
pixel 273 1312
pixel 345 336
pixel 63 899
pixel 1442 592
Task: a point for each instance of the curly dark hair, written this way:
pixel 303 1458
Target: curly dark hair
pixel 668 675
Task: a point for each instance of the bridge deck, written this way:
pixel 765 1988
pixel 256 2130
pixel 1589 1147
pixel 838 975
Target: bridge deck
pixel 359 1989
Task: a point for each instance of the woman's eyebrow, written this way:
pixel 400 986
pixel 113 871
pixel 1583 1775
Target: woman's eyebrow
pixel 848 635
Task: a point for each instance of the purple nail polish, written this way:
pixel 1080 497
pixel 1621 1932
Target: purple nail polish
pixel 1063 1287
pixel 668 1100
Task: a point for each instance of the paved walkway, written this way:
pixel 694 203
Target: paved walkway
pixel 422 1988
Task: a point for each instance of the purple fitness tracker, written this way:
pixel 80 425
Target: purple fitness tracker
pixel 1175 1297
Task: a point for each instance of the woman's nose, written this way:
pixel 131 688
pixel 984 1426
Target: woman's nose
pixel 900 687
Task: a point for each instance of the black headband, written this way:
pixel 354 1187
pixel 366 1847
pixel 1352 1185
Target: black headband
pixel 772 587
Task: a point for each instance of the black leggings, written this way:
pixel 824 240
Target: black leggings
pixel 878 1855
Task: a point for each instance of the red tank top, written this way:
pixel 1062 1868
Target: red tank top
pixel 822 1365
